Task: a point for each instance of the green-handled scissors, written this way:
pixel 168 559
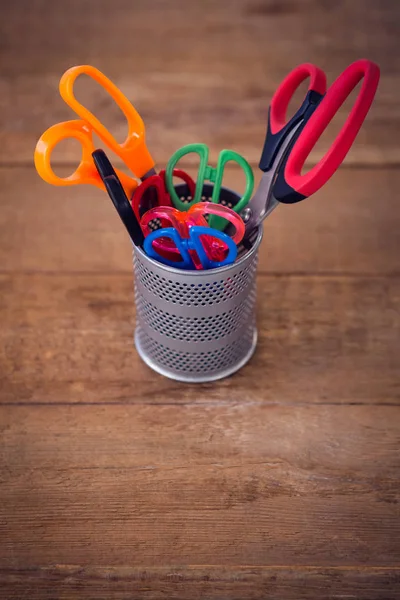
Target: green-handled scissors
pixel 209 173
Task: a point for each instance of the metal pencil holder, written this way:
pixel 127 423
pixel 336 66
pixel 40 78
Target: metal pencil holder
pixel 197 326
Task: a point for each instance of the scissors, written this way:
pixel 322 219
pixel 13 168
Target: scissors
pixel 142 201
pixel 118 197
pixel 133 151
pixel 209 173
pixel 214 246
pixel 190 246
pixel 289 143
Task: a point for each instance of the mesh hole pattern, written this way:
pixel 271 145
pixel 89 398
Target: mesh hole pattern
pixel 197 362
pixel 195 329
pixel 195 294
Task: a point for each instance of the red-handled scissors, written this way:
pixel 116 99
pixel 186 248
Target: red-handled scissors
pixel 214 246
pixel 289 143
pixel 143 200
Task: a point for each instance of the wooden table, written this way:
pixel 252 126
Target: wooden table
pixel 279 482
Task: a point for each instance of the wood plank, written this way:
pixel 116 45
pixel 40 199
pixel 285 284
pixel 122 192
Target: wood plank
pixel 351 226
pixel 67 339
pixel 196 71
pixel 180 583
pixel 221 485
pixel 280 482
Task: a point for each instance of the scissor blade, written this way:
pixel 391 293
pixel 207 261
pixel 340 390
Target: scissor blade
pixel 263 202
pixel 149 173
pixel 103 165
pixel 118 197
pixel 258 205
pixel 124 209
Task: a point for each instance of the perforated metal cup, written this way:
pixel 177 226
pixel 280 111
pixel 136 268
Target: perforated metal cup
pixel 197 326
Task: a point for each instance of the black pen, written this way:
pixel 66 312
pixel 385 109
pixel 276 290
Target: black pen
pixel 119 198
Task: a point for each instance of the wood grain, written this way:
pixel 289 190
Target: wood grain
pixel 176 583
pixel 281 482
pixel 69 338
pixel 196 71
pixel 351 226
pixel 251 485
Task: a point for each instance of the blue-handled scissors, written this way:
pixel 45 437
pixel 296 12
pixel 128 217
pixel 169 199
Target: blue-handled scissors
pixel 191 249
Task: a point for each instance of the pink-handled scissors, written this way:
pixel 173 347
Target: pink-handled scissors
pixel 213 245
pixel 288 143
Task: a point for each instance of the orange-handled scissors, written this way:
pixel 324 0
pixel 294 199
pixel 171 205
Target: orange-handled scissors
pixel 133 151
pixel 86 171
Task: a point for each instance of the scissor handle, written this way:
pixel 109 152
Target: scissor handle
pixel 173 235
pixel 180 175
pixel 157 182
pixel 291 186
pixel 133 151
pixel 169 215
pixel 86 172
pixel 226 156
pixel 194 216
pixel 197 243
pixel 209 208
pixel 193 243
pixel 278 124
pixel 286 90
pixel 209 173
pixel 118 196
pixel 202 151
pixel 182 222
